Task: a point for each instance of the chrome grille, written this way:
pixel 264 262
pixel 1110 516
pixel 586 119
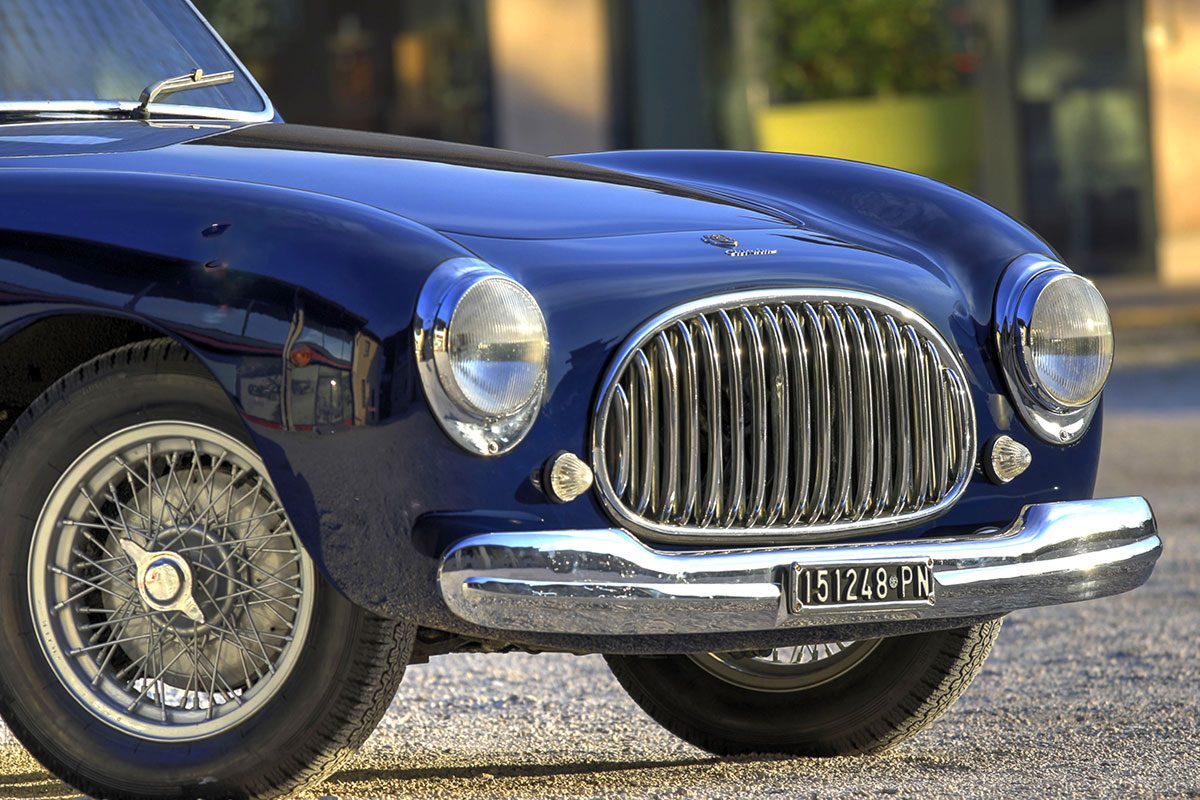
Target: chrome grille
pixel 773 415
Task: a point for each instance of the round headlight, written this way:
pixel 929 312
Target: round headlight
pixel 482 353
pixel 497 347
pixel 1055 342
pixel 1069 343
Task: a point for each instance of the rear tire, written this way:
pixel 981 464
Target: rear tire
pixel 261 686
pixel 874 696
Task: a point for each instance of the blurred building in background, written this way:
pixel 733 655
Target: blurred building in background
pixel 1077 116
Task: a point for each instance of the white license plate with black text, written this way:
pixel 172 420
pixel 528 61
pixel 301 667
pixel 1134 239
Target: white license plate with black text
pixel 861 585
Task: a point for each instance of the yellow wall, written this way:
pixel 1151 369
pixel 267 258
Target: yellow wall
pixel 935 136
pixel 1173 52
pixel 551 69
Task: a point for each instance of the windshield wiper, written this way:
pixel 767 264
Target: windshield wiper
pixel 114 109
pixel 192 80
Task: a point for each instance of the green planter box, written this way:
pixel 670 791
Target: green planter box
pixel 934 135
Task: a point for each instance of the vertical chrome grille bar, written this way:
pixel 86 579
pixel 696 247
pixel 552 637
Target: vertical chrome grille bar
pixel 898 366
pixel 716 446
pixel 864 415
pixel 922 424
pixel 952 422
pixel 963 456
pixel 620 440
pixel 938 414
pixel 801 447
pixel 843 411
pixel 757 434
pixel 883 414
pixel 649 432
pixel 635 439
pixel 804 416
pixel 670 449
pixel 691 425
pixel 736 501
pixel 822 414
pixel 780 394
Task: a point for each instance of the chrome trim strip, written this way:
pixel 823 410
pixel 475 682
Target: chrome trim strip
pixel 268 112
pixel 856 366
pixel 606 582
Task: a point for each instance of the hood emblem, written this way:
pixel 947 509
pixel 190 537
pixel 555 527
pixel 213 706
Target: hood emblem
pixel 729 245
pixel 720 240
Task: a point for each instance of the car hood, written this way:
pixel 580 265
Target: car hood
pixel 453 189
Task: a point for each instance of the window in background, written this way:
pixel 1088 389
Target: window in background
pixel 1081 86
pixel 414 67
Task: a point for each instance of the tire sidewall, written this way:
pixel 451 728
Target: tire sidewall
pixel 47 719
pixel 855 712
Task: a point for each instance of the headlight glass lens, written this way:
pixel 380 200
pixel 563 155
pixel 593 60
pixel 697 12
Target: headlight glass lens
pixel 1070 341
pixel 497 347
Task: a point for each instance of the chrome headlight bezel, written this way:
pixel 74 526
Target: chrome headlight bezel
pixel 475 431
pixel 1022 284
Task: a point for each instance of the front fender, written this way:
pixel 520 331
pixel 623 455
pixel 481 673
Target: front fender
pixel 300 304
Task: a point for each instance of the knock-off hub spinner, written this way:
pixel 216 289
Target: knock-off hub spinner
pixel 164 580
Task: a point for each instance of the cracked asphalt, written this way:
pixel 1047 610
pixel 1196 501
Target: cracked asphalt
pixel 1090 700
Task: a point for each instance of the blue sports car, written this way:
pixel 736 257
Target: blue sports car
pixel 285 409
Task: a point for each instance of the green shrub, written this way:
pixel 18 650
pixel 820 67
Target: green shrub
pixel 862 48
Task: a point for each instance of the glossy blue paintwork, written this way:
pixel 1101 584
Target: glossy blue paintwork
pixel 244 253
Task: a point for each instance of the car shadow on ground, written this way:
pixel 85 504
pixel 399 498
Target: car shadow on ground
pixel 518 780
pixel 22 779
pixel 486 771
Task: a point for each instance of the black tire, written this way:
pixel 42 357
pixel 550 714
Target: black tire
pixel 897 690
pixel 345 674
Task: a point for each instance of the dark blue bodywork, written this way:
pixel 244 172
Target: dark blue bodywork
pixel 248 243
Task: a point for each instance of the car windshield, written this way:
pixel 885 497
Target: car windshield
pixel 75 54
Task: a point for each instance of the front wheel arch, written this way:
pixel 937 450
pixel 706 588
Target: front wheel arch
pixel 362 670
pixel 37 352
pixel 45 349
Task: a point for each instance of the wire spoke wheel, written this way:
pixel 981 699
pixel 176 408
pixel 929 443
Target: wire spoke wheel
pixel 787 669
pixel 169 591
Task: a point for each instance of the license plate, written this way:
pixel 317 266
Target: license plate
pixel 861 585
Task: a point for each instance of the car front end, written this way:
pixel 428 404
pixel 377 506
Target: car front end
pixel 286 409
pixel 771 434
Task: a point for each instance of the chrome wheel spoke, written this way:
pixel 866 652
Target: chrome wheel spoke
pixel 175 589
pixel 787 669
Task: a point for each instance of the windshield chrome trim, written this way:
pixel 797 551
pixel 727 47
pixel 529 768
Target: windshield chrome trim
pixel 101 107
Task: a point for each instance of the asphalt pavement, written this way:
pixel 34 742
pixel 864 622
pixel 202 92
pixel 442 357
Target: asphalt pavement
pixel 1097 699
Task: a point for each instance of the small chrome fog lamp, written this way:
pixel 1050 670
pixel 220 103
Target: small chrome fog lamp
pixel 1006 459
pixel 566 477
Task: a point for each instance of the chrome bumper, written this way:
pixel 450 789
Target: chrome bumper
pixel 606 582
